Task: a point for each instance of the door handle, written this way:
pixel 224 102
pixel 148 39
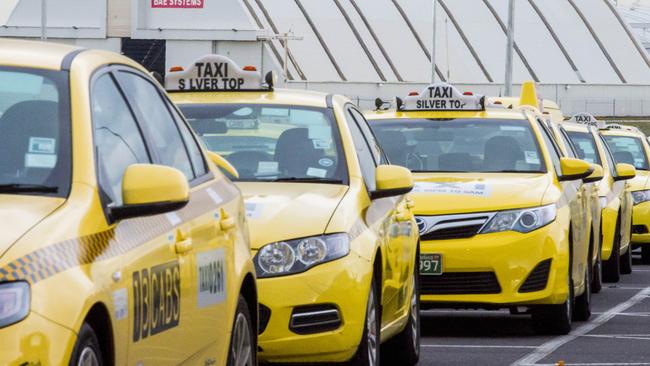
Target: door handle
pixel 227 222
pixel 183 242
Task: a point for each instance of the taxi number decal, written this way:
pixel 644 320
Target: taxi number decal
pixel 211 266
pixel 431 264
pixel 156 300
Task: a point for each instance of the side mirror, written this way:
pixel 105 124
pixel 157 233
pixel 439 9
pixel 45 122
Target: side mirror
pixel 574 169
pixel 392 180
pixel 625 171
pixel 151 190
pixel 596 175
pixel 224 164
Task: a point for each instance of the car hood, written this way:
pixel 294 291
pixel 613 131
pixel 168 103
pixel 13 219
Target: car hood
pixel 283 211
pixel 451 193
pixel 18 214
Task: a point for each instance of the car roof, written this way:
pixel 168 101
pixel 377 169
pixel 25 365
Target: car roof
pixel 278 96
pixel 574 127
pixel 34 54
pixel 490 113
pixel 622 132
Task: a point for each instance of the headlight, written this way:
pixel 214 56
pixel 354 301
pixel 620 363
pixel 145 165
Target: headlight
pixel 14 302
pixel 523 221
pixel 603 202
pixel 295 256
pixel 641 196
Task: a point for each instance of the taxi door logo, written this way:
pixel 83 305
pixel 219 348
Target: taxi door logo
pixel 157 300
pixel 211 268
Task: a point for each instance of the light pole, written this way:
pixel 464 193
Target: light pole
pixel 433 45
pixel 510 47
pixel 43 20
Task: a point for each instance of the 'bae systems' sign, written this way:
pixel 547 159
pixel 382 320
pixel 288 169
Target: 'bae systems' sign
pixel 177 4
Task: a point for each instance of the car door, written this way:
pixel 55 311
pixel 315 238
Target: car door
pixel 152 280
pixel 200 244
pixel 621 190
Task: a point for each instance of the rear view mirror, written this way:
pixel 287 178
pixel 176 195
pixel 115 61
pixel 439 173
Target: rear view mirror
pixel 151 190
pixel 625 171
pixel 392 180
pixel 209 126
pixel 574 169
pixel 596 175
pixel 222 163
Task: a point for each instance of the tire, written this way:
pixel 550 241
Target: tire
pixel 86 351
pixel 554 319
pixel 597 272
pixel 626 261
pixel 612 266
pixel 369 351
pixel 645 254
pixel 243 340
pixel 582 306
pixel 404 348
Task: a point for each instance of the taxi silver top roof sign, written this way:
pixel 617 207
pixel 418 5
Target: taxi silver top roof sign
pixel 587 119
pixel 443 97
pixel 217 73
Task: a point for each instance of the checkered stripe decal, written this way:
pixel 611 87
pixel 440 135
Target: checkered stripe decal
pixel 126 236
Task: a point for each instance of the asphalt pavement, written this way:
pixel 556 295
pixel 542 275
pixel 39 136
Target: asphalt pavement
pixel 618 333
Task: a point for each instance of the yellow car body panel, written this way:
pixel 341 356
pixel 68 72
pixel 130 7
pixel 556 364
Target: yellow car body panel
pixel 285 211
pixel 82 267
pixel 511 256
pixel 640 212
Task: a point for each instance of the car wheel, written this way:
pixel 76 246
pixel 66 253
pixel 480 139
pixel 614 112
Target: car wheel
pixel 404 349
pixel 554 319
pixel 612 266
pixel 582 307
pixel 243 342
pixel 597 272
pixel 626 261
pixel 86 351
pixel 368 353
pixel 645 254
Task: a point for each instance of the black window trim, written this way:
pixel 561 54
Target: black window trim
pixel 568 140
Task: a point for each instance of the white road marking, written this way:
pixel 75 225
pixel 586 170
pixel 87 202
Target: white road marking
pixel 551 346
pixel 598 364
pixel 474 346
pixel 618 336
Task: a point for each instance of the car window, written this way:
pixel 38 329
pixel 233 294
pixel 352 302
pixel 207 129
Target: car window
pixel 369 136
pixel 272 142
pixel 568 145
pixel 586 146
pixel 34 132
pixel 608 156
pixel 460 145
pixel 153 112
pixel 629 150
pixel 196 155
pixel 364 153
pixel 552 148
pixel 118 141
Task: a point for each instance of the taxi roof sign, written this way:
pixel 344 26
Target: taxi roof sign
pixel 443 97
pixel 587 119
pixel 217 73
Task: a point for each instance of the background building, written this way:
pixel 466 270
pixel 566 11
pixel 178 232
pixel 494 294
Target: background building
pixel 583 53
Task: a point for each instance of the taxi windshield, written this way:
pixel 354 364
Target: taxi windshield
pixel 585 146
pixel 627 149
pixel 461 145
pixel 272 142
pixel 34 132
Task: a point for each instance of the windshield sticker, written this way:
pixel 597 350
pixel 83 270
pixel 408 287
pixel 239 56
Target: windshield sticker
pixel 267 167
pixel 46 161
pixel 42 145
pixel 211 268
pixel 316 172
pixel 326 162
pixel 453 188
pixel 531 157
pixel 321 144
pixel 254 210
pixel 120 304
pixel 512 128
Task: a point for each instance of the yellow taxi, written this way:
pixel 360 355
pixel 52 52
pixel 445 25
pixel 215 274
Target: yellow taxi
pixel 500 219
pixel 615 199
pixel 334 238
pixel 629 145
pixel 122 243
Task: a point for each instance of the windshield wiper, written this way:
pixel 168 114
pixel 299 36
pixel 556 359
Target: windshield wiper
pixel 27 188
pixel 307 180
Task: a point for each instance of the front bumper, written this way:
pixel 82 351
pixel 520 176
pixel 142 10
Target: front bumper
pixel 508 256
pixel 641 223
pixel 35 341
pixel 343 284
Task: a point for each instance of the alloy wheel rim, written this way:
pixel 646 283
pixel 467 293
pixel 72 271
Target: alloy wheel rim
pixel 371 329
pixel 242 349
pixel 88 357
